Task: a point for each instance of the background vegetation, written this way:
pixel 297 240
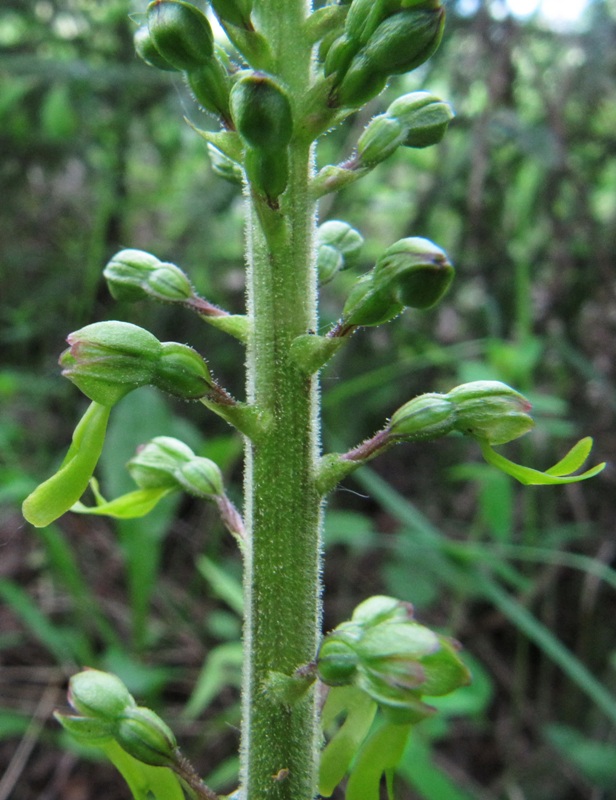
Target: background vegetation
pixel 96 156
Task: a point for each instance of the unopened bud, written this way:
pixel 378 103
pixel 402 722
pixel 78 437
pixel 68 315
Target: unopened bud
pixel 380 139
pixel 181 33
pixel 267 171
pixel 424 117
pixel 133 275
pixel 405 40
pixel 415 271
pixel 182 372
pixel 143 735
pixel 401 43
pixel 425 417
pixel 261 111
pixel 107 360
pixel 201 477
pixel 156 463
pixel 338 248
pixel 146 50
pixel 210 84
pixel 490 410
pixel 367 305
pixel 99 695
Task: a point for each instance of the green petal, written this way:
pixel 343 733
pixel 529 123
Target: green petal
pixel 128 506
pixel 533 477
pixel 574 458
pixel 59 493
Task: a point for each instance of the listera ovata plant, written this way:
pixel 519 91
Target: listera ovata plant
pixel 285 75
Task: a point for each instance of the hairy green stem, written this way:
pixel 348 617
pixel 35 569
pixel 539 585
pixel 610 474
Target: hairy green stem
pixel 282 588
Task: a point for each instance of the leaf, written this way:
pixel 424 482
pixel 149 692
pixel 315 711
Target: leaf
pixel 595 760
pixel 223 667
pixel 558 474
pixel 128 506
pixel 59 493
pixel 223 584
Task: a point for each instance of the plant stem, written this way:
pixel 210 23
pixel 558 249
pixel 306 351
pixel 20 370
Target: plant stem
pixel 282 588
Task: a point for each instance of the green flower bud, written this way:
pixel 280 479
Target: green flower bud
pixel 405 40
pixel 156 463
pixel 338 248
pixel 329 262
pixel 99 695
pixel 261 112
pixel 490 410
pixel 344 238
pixel 425 417
pixel 367 305
pixel 379 140
pixel 237 12
pixel 144 736
pixel 425 118
pixel 339 56
pixel 211 85
pixel 224 166
pixel 415 271
pixel 360 84
pixel 364 17
pixel 201 477
pixel 182 372
pixel 267 172
pixel 401 43
pixel 146 50
pixel 181 33
pixel 107 360
pixel 336 662
pixel 133 275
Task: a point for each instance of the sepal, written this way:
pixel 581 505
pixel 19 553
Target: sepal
pixel 107 360
pixel 99 695
pixel 146 50
pixel 261 111
pixel 415 272
pixel 181 33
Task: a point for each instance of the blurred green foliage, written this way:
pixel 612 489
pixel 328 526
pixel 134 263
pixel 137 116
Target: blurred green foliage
pixel 96 156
